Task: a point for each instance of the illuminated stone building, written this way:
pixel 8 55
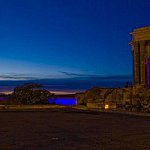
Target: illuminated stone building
pixel 140 48
pixel 136 98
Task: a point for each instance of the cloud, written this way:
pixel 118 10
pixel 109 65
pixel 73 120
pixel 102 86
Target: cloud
pixel 73 74
pixel 98 77
pixel 69 75
pixel 13 76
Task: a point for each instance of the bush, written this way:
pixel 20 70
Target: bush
pixel 30 93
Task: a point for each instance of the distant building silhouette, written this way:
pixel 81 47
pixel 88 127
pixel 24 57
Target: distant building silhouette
pixel 140 48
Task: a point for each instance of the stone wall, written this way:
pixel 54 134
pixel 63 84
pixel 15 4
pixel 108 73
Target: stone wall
pixel 113 95
pixel 128 98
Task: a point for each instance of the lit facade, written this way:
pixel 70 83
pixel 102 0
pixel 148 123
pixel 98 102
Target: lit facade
pixel 140 48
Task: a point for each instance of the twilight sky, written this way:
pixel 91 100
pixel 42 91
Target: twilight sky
pixel 68 38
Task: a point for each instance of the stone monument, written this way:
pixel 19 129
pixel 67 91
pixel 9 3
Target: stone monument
pixel 140 48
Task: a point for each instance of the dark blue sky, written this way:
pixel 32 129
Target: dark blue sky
pixel 68 38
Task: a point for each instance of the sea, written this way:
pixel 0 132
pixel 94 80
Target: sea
pixel 69 85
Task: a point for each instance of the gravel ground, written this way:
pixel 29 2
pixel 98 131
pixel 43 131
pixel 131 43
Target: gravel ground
pixel 70 129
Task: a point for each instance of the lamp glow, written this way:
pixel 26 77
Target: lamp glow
pixel 106 106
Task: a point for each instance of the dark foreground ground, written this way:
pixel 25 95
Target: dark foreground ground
pixel 68 129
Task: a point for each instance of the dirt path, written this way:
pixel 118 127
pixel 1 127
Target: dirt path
pixel 68 129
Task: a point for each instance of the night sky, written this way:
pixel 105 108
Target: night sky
pixel 68 38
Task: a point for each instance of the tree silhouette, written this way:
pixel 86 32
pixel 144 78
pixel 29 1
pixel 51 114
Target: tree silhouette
pixel 30 93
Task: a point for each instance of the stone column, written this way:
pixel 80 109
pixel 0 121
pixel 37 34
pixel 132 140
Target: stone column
pixel 148 55
pixel 136 64
pixel 133 64
pixel 142 64
pixel 148 48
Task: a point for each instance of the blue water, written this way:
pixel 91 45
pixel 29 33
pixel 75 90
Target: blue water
pixel 74 84
pixel 69 101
